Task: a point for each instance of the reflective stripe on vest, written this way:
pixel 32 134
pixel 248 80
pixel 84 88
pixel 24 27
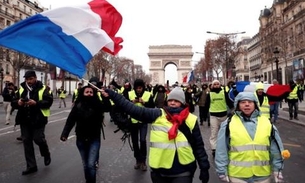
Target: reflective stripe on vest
pixel 265 107
pixel 162 150
pixel 45 112
pixel 218 101
pixel 249 157
pixel 293 94
pixel 145 97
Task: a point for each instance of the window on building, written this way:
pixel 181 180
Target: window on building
pixel 8 23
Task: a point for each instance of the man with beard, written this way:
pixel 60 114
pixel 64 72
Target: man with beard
pixel 33 101
pixel 218 103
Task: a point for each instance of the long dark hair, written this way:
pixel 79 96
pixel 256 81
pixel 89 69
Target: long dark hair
pixel 82 99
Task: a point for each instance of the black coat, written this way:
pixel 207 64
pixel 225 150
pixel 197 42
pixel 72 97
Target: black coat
pixel 32 114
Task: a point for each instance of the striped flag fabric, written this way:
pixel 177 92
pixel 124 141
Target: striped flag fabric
pixel 189 77
pixel 67 37
pixel 269 89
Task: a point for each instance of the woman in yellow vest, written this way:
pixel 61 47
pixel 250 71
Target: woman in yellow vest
pixel 248 145
pixel 175 138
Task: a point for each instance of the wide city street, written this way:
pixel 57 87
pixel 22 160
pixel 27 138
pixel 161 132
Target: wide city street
pixel 116 158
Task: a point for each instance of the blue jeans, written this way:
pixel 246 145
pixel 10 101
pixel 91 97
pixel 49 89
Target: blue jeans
pixel 274 111
pixel 89 151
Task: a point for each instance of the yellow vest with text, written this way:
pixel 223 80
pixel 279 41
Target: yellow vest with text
pixel 265 107
pixel 45 112
pixel 293 94
pixel 145 97
pixel 218 102
pixel 249 157
pixel 162 150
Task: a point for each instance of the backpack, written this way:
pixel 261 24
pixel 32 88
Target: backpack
pixel 123 123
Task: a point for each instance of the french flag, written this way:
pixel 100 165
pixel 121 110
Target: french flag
pixel 189 77
pixel 67 37
pixel 269 89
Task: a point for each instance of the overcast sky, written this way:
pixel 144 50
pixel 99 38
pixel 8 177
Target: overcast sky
pixel 159 22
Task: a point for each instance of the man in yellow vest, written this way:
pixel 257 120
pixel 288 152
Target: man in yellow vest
pixel 138 130
pixel 218 103
pixel 248 145
pixel 176 143
pixel 293 101
pixel 62 96
pixel 33 101
pixel 76 91
pixel 263 101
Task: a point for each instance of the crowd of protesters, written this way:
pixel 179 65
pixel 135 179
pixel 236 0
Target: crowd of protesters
pixel 176 142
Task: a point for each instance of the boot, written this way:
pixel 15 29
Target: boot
pixel 47 159
pixel 137 165
pixel 143 166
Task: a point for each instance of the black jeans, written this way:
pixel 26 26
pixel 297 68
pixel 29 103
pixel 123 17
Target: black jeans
pixel 29 134
pixel 293 108
pixel 203 113
pixel 138 134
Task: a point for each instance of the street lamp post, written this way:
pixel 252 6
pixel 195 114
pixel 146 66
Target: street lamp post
pixel 276 53
pixel 41 77
pixel 227 35
pixel 1 77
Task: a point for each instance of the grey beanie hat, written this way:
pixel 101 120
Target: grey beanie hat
pixel 177 94
pixel 245 96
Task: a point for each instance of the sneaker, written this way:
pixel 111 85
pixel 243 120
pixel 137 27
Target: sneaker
pixel 7 123
pixel 143 167
pixel 137 166
pixel 19 138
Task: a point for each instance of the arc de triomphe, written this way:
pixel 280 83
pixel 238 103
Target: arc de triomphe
pixel 162 55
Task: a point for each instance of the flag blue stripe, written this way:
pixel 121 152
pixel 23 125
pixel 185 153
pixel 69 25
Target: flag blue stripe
pixel 72 55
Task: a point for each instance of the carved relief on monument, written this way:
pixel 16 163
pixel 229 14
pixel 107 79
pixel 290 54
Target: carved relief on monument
pixel 185 63
pixel 155 77
pixel 155 63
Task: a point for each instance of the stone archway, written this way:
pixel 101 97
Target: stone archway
pixel 162 55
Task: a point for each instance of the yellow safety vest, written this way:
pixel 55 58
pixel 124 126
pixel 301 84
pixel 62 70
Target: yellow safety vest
pixel 218 102
pixel 162 150
pixel 293 94
pixel 45 112
pixel 62 94
pixel 145 97
pixel 265 107
pixel 249 157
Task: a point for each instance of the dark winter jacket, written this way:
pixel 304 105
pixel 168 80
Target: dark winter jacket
pixel 150 115
pixel 87 115
pixel 8 94
pixel 32 114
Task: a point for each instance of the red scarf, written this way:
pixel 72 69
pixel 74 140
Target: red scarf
pixel 176 120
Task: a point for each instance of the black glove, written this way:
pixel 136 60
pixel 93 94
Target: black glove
pixel 204 176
